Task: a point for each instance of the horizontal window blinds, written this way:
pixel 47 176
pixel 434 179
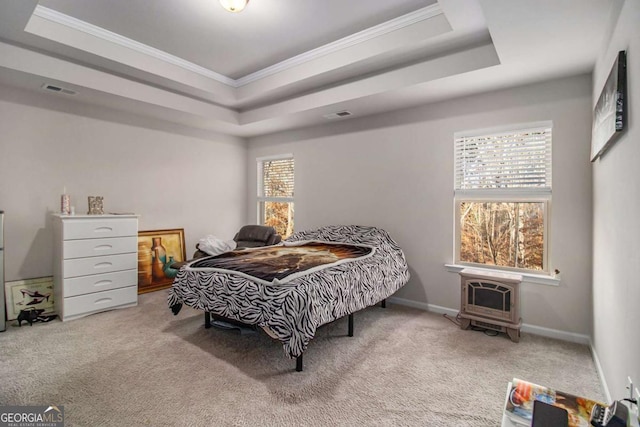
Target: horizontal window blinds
pixel 277 178
pixel 518 160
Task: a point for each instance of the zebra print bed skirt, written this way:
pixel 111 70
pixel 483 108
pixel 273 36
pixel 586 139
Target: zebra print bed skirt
pixel 292 312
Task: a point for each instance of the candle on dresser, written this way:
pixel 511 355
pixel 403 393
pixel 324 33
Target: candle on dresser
pixel 65 202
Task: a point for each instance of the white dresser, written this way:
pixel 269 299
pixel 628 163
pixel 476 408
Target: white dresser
pixel 95 263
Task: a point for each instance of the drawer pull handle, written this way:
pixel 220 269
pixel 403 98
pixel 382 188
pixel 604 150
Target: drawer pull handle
pixel 103 265
pixel 103 229
pixel 102 248
pixel 103 283
pixel 101 300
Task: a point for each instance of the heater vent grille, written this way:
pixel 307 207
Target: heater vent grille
pixel 486 325
pixel 338 115
pixel 58 89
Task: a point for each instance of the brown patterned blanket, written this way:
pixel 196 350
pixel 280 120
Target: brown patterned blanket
pixel 280 264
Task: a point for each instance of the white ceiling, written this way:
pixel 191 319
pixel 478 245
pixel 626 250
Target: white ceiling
pixel 235 45
pixel 271 68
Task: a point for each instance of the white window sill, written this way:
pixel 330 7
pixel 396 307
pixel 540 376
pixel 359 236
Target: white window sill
pixel 540 279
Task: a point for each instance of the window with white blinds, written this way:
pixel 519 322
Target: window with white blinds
pixel 276 192
pixel 509 161
pixel 502 192
pixel 276 178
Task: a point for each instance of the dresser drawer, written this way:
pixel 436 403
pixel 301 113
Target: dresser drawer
pixel 101 264
pixel 98 247
pixel 100 282
pixel 99 228
pixel 99 301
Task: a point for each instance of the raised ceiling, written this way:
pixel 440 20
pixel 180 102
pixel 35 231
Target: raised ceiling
pixel 235 45
pixel 279 65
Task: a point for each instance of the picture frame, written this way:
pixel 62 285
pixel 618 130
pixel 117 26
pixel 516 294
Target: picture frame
pixel 610 113
pixel 157 250
pixel 96 205
pixel 34 293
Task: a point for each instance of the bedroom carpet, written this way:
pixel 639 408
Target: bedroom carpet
pixel 142 366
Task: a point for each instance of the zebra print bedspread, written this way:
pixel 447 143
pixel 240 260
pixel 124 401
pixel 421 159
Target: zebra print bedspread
pixel 291 312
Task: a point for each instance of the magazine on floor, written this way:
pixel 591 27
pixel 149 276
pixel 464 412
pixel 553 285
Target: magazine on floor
pixel 522 394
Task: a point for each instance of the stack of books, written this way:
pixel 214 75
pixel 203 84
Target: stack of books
pixel 522 394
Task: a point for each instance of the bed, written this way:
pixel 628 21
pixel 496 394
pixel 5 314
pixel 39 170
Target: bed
pixel 356 268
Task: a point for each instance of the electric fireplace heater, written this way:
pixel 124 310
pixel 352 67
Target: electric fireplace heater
pixel 489 300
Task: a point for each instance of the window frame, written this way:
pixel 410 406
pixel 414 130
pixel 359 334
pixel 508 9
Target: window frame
pixel 517 195
pixel 260 198
pixel 546 209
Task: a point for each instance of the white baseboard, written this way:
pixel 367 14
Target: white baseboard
pixel 423 306
pixel 603 380
pixel 531 329
pixel 555 333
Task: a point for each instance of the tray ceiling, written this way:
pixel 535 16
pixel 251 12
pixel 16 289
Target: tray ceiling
pixel 271 68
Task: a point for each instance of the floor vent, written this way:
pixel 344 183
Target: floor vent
pixel 58 89
pixel 486 325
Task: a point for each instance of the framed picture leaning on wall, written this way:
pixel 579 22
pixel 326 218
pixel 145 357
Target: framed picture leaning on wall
pixel 157 250
pixel 29 294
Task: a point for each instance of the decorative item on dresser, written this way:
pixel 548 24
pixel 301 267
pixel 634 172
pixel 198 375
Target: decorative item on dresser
pixel 96 205
pixel 95 263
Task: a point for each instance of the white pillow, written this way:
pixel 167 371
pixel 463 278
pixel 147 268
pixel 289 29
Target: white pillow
pixel 214 246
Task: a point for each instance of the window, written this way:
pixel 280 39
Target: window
pixel 503 197
pixel 275 193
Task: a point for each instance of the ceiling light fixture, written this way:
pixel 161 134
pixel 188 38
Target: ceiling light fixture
pixel 234 5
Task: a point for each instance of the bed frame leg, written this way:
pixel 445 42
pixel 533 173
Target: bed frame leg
pixel 351 325
pixel 299 363
pixel 383 304
pixel 207 320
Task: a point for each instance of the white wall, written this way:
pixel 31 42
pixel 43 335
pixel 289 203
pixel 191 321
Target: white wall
pixel 395 171
pixel 171 180
pixel 616 228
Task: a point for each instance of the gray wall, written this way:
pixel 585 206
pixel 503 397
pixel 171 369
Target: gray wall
pixel 171 179
pixel 395 171
pixel 616 229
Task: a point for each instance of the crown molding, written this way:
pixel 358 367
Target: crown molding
pixel 345 42
pixel 85 27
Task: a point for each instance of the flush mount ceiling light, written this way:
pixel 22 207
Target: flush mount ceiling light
pixel 234 5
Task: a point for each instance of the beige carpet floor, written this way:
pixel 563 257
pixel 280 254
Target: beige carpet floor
pixel 142 366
